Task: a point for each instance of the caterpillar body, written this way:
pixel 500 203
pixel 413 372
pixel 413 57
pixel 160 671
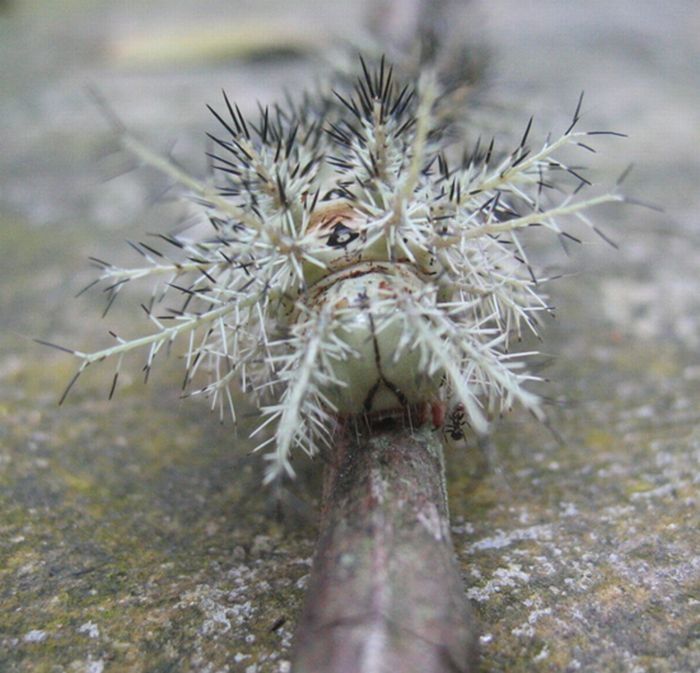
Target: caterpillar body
pixel 352 267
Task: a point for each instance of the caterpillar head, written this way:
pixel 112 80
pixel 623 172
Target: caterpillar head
pixel 351 267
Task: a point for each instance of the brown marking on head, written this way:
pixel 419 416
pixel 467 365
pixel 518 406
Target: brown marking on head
pixel 325 217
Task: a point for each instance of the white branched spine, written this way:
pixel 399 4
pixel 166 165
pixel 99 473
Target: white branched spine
pixel 341 235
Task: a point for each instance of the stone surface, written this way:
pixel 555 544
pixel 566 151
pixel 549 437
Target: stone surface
pixel 134 535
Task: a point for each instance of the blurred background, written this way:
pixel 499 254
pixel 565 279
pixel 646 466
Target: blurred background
pixel 134 535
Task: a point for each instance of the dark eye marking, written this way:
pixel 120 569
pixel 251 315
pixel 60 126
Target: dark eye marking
pixel 341 236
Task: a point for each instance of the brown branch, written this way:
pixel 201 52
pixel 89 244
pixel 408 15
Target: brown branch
pixel 385 593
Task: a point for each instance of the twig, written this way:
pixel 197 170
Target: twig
pixel 385 592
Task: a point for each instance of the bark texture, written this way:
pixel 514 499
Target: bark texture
pixel 385 591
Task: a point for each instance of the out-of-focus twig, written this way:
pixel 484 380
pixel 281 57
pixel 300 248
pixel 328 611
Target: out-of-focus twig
pixel 436 34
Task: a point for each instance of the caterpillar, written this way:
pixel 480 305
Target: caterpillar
pixel 353 265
